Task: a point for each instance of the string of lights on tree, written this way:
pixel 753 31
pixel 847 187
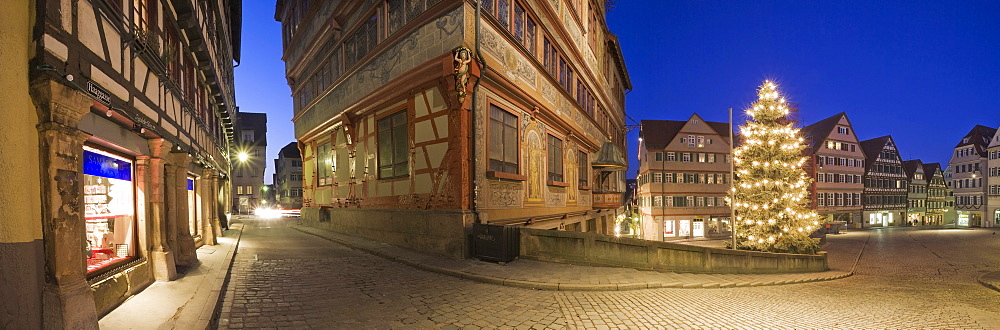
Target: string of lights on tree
pixel 769 196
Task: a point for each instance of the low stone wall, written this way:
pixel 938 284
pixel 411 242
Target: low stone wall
pixel 436 232
pixel 112 291
pixel 604 250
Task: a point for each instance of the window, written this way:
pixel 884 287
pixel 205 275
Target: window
pixel 701 141
pixel 239 190
pixel 657 177
pixel 686 157
pixel 582 165
pixel 143 14
pixel 668 177
pixel 555 159
pixel 691 141
pixel 324 164
pixel 393 154
pixel 247 136
pixel 659 156
pixel 523 28
pixel 671 156
pixel 701 158
pixel 503 141
pixel 249 190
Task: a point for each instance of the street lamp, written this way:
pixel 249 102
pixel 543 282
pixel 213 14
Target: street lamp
pixel 242 156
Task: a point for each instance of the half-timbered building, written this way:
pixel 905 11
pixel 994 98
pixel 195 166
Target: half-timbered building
pixel 937 192
pixel 885 193
pixel 418 118
pixel 916 197
pixel 122 111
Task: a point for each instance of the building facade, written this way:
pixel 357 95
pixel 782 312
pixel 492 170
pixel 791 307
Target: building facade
pixel 837 163
pixel 249 162
pixel 937 192
pixel 916 193
pixel 885 193
pixel 969 165
pixel 122 113
pixel 993 180
pixel 684 178
pixel 288 177
pixel 443 113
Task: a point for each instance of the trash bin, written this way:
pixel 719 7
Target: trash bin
pixel 496 243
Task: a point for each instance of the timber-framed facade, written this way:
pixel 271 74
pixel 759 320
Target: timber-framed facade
pixel 128 113
pixel 410 133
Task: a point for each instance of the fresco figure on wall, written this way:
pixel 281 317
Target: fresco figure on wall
pixel 534 166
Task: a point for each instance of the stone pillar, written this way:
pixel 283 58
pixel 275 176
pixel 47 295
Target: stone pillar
pixel 67 301
pixel 208 197
pixel 222 200
pixel 142 181
pixel 178 214
pixel 164 267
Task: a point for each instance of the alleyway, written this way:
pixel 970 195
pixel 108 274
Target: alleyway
pixel 905 279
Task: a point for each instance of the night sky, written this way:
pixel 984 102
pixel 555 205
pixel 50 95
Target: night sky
pixel 924 72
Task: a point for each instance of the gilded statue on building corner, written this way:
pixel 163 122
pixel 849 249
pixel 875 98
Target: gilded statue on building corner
pixel 463 56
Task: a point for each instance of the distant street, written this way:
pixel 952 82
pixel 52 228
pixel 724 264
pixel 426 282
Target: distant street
pixel 906 278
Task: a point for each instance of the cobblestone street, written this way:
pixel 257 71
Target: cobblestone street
pixel 906 278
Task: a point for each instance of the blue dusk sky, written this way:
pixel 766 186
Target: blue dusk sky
pixel 925 72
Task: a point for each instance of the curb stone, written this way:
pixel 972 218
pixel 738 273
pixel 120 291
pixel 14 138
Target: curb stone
pixel 548 286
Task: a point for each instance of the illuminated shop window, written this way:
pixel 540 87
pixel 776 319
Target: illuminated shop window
pixel 109 202
pixel 194 211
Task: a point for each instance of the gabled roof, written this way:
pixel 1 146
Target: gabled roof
pixel 816 133
pixel 980 137
pixel 911 166
pixel 290 151
pixel 872 147
pixel 657 134
pixel 930 169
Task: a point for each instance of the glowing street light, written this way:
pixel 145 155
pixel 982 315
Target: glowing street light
pixel 242 156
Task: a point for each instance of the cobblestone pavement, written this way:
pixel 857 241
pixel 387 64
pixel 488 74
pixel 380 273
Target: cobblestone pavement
pixel 906 278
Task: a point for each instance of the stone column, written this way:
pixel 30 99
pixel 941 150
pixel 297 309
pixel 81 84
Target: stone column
pixel 222 203
pixel 208 197
pixel 177 205
pixel 67 301
pixel 141 181
pixel 164 267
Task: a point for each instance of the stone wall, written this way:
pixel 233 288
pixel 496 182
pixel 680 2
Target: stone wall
pixel 604 250
pixel 115 289
pixel 438 232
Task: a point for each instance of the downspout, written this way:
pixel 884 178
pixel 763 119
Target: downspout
pixel 475 101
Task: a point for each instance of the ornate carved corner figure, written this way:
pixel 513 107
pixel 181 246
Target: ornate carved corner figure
pixel 463 56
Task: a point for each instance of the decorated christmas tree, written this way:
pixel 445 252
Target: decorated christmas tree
pixel 769 195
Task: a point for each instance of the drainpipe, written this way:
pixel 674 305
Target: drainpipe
pixel 472 124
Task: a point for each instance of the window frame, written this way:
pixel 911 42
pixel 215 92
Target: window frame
pixel 502 173
pixel 555 161
pixel 390 116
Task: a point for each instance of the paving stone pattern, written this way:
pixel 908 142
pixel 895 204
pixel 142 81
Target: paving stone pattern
pixel 284 278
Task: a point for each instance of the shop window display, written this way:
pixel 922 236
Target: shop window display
pixel 109 202
pixel 194 214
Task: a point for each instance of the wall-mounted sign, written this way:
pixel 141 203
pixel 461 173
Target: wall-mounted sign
pixel 99 92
